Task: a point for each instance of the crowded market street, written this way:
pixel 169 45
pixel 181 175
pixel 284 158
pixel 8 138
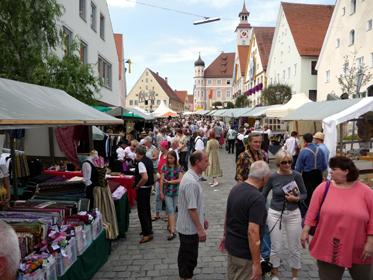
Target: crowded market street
pixel 157 260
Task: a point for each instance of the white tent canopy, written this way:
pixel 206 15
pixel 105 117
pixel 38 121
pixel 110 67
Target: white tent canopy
pixel 294 103
pixel 26 105
pixel 330 123
pixel 163 110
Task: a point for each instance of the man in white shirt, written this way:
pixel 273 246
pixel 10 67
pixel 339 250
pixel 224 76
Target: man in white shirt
pixel 292 146
pixel 199 145
pixel 130 151
pixel 121 154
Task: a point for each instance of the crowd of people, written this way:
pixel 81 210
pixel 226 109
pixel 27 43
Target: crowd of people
pixel 179 153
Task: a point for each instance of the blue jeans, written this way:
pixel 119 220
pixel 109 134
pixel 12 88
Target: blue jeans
pixel 265 248
pixel 158 201
pixel 171 203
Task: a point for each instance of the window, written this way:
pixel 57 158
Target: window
pixel 102 26
pixel 228 82
pixel 218 82
pixel 283 75
pixel 327 76
pixel 218 93
pixel 146 87
pixel 165 102
pixel 209 82
pixel 337 43
pixel 83 52
pixel 131 102
pixel 360 61
pixel 136 103
pixel 67 40
pixel 288 73
pixel 369 25
pixel 313 67
pixel 158 102
pixel 312 94
pixel 352 37
pixel 93 16
pixel 104 72
pixel 352 6
pixel 228 93
pixel 343 11
pixel 82 9
pixel 295 69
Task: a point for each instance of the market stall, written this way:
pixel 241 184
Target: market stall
pixel 164 111
pixel 52 219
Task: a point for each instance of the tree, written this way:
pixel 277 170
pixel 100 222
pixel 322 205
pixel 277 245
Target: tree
pixel 242 101
pixel 70 75
pixel 29 38
pixel 217 104
pixel 276 94
pixel 27 34
pixel 353 77
pixel 229 105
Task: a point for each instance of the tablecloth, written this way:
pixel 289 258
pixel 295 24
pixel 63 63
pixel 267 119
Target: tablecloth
pixel 90 261
pixel 126 181
pixel 65 174
pixel 122 209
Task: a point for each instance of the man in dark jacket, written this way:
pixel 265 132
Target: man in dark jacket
pixel 144 180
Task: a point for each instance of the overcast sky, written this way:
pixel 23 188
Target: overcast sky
pixel 167 42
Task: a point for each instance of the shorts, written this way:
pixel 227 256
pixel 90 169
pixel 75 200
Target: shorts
pixel 238 268
pixel 171 204
pixel 188 255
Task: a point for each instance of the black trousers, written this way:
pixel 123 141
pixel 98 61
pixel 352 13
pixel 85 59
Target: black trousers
pixel 183 160
pixel 144 211
pixel 231 146
pixel 311 180
pixel 188 255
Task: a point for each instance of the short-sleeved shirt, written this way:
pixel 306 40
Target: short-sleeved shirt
pixel 190 197
pixel 245 205
pixel 171 173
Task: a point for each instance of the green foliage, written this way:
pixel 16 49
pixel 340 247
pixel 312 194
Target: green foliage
pixel 27 33
pixel 29 38
pixel 229 105
pixel 276 94
pixel 70 75
pixel 217 104
pixel 242 101
pixel 353 77
pixel 350 138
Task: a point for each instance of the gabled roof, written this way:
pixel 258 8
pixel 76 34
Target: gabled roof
pixel 182 95
pixel 190 99
pixel 118 38
pixel 243 55
pixel 308 25
pixel 243 26
pixel 264 37
pixel 165 86
pixel 221 67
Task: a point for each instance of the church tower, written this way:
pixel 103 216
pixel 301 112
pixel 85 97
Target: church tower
pixel 199 84
pixel 243 29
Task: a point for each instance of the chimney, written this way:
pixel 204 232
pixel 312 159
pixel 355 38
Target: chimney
pixel 166 79
pixel 157 74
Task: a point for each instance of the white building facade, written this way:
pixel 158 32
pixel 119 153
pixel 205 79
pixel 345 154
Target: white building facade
pixel 294 52
pixel 350 34
pixel 88 22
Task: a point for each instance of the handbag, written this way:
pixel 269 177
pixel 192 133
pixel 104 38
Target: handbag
pixel 313 228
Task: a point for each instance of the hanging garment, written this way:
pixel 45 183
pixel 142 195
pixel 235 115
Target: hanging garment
pixel 67 144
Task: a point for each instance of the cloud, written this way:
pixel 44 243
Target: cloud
pixel 187 54
pixel 122 3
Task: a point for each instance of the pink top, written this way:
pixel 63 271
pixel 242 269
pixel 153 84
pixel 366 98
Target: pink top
pixel 162 161
pixel 346 219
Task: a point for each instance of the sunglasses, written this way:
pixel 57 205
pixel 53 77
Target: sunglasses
pixel 286 162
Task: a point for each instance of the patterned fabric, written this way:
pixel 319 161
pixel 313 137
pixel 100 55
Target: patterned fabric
pixel 244 162
pixel 171 173
pixel 67 143
pixel 212 150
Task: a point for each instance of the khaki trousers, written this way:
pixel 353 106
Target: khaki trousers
pixel 238 269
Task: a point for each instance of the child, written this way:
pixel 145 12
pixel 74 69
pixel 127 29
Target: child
pixel 169 186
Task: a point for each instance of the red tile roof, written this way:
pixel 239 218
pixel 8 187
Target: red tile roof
pixel 264 37
pixel 182 95
pixel 190 99
pixel 118 38
pixel 243 26
pixel 165 86
pixel 221 67
pixel 308 25
pixel 243 56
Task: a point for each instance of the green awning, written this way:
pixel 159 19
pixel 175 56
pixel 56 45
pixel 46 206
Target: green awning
pixel 124 113
pixel 103 109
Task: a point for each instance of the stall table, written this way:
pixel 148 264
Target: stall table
pixel 124 180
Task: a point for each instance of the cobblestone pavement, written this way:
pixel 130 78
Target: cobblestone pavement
pixel 157 260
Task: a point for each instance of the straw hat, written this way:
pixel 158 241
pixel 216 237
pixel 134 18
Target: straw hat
pixel 319 135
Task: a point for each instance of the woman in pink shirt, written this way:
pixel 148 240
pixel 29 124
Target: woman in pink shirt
pixel 344 234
